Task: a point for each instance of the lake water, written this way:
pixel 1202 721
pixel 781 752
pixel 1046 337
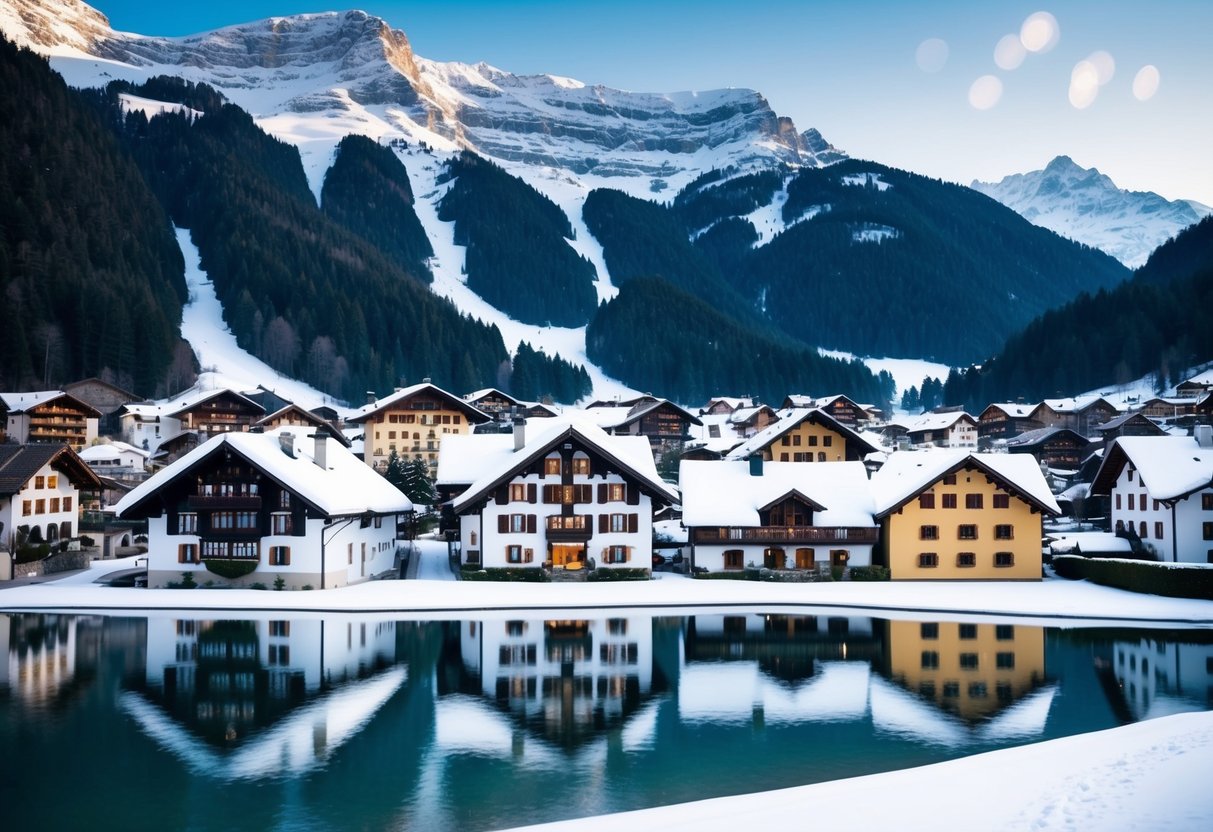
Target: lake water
pixel 366 722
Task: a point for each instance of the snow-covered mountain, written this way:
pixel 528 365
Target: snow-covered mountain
pixel 310 79
pixel 1085 205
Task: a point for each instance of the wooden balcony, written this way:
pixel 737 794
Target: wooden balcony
pixel 218 502
pixel 569 535
pixel 785 534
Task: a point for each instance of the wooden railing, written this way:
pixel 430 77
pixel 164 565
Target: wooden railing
pixel 784 534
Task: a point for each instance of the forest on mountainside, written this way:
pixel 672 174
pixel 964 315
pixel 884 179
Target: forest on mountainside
pixel 91 279
pixel 299 290
pixel 1159 322
pixel 537 377
pixel 367 191
pixel 656 336
pixel 518 256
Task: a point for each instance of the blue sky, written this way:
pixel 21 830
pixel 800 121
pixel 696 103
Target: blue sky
pixel 849 69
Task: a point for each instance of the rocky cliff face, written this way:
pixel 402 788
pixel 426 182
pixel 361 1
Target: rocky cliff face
pixel 353 66
pixel 1085 205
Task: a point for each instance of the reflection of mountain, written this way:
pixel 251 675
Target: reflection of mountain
pixel 562 680
pixel 1158 678
pixel 257 698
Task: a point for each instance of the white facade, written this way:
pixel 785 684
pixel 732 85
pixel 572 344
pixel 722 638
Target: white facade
pixel 116 459
pixel 1183 533
pixel 48 502
pixel 836 553
pixel 1161 678
pixel 144 427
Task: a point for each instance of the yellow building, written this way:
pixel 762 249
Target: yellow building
pixel 805 435
pixel 970 670
pixel 952 515
pixel 412 422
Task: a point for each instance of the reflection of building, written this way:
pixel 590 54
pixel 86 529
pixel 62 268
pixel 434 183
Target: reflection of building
pixel 1158 678
pixel 563 680
pixel 252 698
pixel 970 670
pixel 38 660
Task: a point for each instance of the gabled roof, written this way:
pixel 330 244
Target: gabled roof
pixel 192 403
pixel 127 394
pixel 306 416
pixel 771 433
pixel 1014 410
pixel 1204 379
pixel 463 458
pixel 906 474
pixel 938 421
pixel 106 450
pixel 19 463
pixel 727 494
pixel 1124 418
pixel 642 409
pixel 22 402
pixel 1170 467
pixel 473 415
pixel 472 398
pixel 632 455
pixel 1032 438
pixel 745 414
pixel 731 402
pixel 1077 404
pixel 347 486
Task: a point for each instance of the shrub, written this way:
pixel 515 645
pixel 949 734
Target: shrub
pixel 187 580
pixel 258 585
pixel 279 583
pixel 31 552
pixel 506 573
pixel 230 569
pixel 631 574
pixel 836 572
pixel 87 542
pixel 307 587
pixel 869 573
pixel 1173 581
pixel 731 575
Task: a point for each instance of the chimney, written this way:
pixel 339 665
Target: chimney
pixel 425 380
pixel 370 396
pixel 756 465
pixel 519 432
pixel 320 451
pixel 286 441
pixel 1204 435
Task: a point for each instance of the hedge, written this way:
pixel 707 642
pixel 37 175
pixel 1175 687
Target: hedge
pixel 1173 581
pixel 511 573
pixel 869 573
pixel 631 574
pixel 230 569
pixel 734 575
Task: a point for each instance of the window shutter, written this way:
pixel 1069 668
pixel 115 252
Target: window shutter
pixel 530 524
pixel 604 523
pixel 551 494
pixel 586 494
pixel 633 495
pixel 602 492
pixel 503 495
pixel 627 554
pixel 503 523
pixel 633 523
pixel 172 523
pixel 531 490
pixel 528 554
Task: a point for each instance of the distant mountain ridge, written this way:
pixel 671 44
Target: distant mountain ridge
pixel 1087 206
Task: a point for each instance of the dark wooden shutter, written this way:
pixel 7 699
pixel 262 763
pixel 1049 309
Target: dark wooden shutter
pixel 551 494
pixel 585 494
pixel 602 492
pixel 633 495
pixel 528 555
pixel 531 492
pixel 604 523
pixel 503 495
pixel 633 523
pixel 503 523
pixel 530 524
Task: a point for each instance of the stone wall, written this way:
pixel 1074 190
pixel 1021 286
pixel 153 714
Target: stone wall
pixel 63 562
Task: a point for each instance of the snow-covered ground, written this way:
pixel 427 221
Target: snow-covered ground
pixel 906 372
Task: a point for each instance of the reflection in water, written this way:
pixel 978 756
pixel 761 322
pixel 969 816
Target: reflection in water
pixel 364 722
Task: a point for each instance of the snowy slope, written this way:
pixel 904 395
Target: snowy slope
pixel 1085 205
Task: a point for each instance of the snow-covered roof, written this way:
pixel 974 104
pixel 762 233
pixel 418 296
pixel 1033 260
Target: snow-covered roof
pixel 732 402
pixel 744 414
pixel 937 421
pixel 182 405
pixel 1088 542
pixel 21 402
pixel 490 391
pixel 463 458
pixel 794 417
pixel 1077 404
pixel 907 473
pixel 346 486
pixel 144 409
pixel 107 450
pixel 1035 437
pixel 364 412
pixel 1170 467
pixel 1204 379
pixel 1015 410
pixel 727 494
pixel 632 453
pixel 610 416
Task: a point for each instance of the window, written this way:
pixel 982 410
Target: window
pixel 1004 531
pixel 805 558
pixel 966 531
pixel 928 630
pixel 187 553
pixel 930 660
pixel 1141 529
pixel 926 501
pixel 619 523
pixel 978 690
pixel 280 556
pixel 279 654
pixel 513 554
pixel 973 501
pixel 615 492
pixel 1206 502
pixel 827 441
pixel 928 560
pixel 187 522
pixel 551 465
pixel 1207 528
pixel 732 559
pixel 1157 530
pixel 821 456
pixel 557 521
pixel 349 553
pixel 1004 559
pixel 785 440
pixel 1004 661
pixel 1132 502
pixel 812 441
pixel 951 690
pixel 1118 502
pixel 517 492
pixel 27 508
pixel 1002 501
pixel 966 559
pixel 1004 632
pixel 517 523
pixel 233 519
pixel 284 500
pixel 968 661
pixel 52 481
pixel 928 532
pixel 1141 501
pixel 949 501
pixel 950 479
pixel 581 465
pixel 280 523
pixel 796 440
pixel 39 482
pixel 967 632
pixel 54 505
pixel 1157 505
pixel 246 549
pixel 616 554
pixel 40 506
pixel 1130 475
pixel 783 457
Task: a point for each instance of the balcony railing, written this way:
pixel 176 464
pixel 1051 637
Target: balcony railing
pixel 785 534
pixel 221 501
pixel 569 535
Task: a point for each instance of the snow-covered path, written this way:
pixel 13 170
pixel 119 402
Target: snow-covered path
pixel 433 564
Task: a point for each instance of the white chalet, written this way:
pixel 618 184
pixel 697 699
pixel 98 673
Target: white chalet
pixel 956 429
pixel 1161 491
pixel 40 487
pixel 248 508
pixel 781 515
pixel 567 494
